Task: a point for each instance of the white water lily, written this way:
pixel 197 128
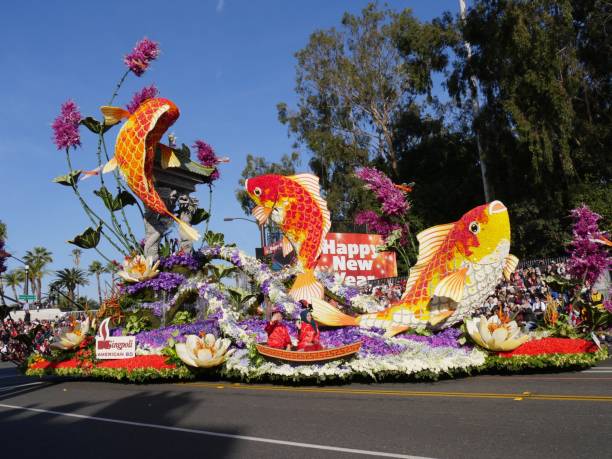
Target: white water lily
pixel 203 352
pixel 494 334
pixel 138 269
pixel 71 337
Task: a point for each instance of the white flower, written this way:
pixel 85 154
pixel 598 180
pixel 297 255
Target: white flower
pixel 203 352
pixel 138 269
pixel 495 335
pixel 71 337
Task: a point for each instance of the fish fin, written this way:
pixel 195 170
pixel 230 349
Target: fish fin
pixel 430 241
pixel 395 329
pixel 306 287
pixel 262 214
pixel 168 157
pixel 110 166
pixel 440 317
pixel 87 174
pixel 510 264
pixel 113 115
pixel 452 286
pixel 326 314
pixel 310 182
pixel 185 228
pixel 287 246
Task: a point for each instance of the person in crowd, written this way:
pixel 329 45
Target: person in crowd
pixel 278 333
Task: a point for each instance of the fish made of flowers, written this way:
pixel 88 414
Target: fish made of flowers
pixel 203 352
pixel 458 267
pixel 295 204
pixel 135 151
pixel 495 334
pixel 138 269
pixel 71 337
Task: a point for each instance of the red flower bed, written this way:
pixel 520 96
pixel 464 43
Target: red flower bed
pixel 552 346
pixel 157 362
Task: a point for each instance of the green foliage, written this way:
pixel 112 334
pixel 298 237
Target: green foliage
pixel 94 125
pixel 199 216
pixel 214 239
pixel 69 179
pixel 88 239
pixel 114 203
pixel 139 320
pixel 239 297
pixel 182 317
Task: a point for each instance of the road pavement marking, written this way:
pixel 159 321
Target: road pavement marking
pixel 215 434
pixel 5 388
pixel 406 393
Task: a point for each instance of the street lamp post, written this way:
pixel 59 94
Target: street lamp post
pixel 261 228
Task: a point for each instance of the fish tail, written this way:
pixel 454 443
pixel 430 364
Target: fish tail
pixel 306 287
pixel 185 228
pixel 326 314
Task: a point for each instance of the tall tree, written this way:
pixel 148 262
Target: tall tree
pixel 353 84
pixel 14 279
pixel 543 69
pixel 71 279
pixel 97 269
pixel 113 269
pixel 37 259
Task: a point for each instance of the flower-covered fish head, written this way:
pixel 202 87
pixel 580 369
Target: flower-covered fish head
pixel 203 352
pixel 496 333
pixel 263 190
pixel 70 337
pixel 479 232
pixel 138 268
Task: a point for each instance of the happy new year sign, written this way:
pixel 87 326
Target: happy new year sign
pixel 354 259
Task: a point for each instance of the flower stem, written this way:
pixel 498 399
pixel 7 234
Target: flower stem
pixel 118 87
pixel 210 194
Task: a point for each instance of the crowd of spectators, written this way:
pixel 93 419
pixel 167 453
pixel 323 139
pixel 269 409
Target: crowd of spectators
pixel 18 338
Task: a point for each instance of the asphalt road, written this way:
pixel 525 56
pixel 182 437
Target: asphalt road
pixel 565 415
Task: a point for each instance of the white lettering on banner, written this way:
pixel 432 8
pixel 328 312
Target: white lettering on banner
pixel 364 250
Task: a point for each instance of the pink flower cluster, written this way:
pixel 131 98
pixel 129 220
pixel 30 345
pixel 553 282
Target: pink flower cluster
pixel 207 158
pixel 148 92
pixel 141 56
pixel 588 259
pixel 375 223
pixel 393 201
pixel 66 126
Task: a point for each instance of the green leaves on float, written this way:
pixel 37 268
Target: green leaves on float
pixel 239 297
pixel 88 239
pixel 199 216
pixel 117 202
pixel 69 179
pixel 219 272
pixel 94 125
pixel 213 239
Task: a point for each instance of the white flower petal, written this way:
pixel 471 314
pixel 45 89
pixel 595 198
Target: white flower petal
pixel 184 355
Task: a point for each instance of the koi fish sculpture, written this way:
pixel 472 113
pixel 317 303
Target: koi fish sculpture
pixel 458 267
pixel 135 151
pixel 295 204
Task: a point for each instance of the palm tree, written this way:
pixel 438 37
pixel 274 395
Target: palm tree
pixel 97 269
pixel 38 259
pixel 76 255
pixel 112 268
pixel 70 279
pixel 14 279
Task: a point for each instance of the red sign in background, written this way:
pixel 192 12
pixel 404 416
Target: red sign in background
pixel 354 259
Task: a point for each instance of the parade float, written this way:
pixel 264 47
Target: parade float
pixel 175 316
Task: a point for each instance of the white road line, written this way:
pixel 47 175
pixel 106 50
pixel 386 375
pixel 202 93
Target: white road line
pixel 5 388
pixel 597 371
pixel 215 434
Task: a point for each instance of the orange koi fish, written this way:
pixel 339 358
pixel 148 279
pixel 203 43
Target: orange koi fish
pixel 458 267
pixel 135 151
pixel 296 205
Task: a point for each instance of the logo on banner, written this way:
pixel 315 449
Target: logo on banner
pixel 113 347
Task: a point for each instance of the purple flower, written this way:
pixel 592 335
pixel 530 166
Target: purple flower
pixel 235 258
pixel 371 345
pixel 3 256
pixel 141 56
pixel 164 281
pixel 588 259
pixel 376 223
pixel 148 92
pixel 446 338
pixel 66 126
pixel 392 200
pixel 608 305
pixel 159 337
pixel 265 287
pixel 208 158
pixel 156 308
pixel 183 259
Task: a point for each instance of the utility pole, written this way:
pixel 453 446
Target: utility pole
pixel 475 111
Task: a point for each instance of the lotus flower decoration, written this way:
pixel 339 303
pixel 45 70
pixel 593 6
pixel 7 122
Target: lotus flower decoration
pixel 71 337
pixel 138 269
pixel 203 352
pixel 497 333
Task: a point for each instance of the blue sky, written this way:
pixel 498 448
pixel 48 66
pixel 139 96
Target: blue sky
pixel 225 63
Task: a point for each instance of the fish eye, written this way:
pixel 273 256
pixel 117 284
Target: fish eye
pixel 474 227
pixel 257 191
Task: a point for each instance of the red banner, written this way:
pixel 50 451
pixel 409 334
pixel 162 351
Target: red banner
pixel 354 259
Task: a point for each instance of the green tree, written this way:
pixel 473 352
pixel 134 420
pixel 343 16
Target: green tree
pixel 97 269
pixel 14 279
pixel 353 84
pixel 37 259
pixel 543 72
pixel 112 268
pixel 71 279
